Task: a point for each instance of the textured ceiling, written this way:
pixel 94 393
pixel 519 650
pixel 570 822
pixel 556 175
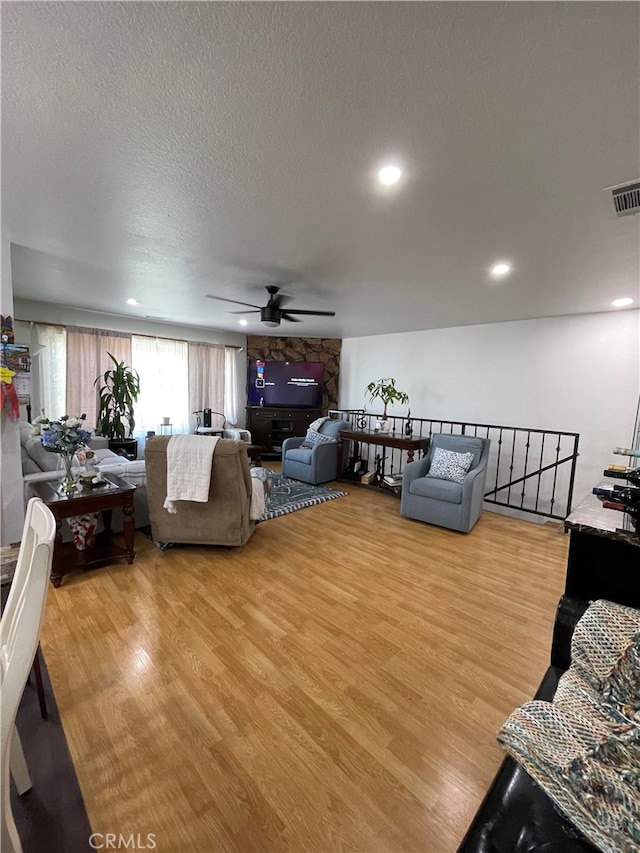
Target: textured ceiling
pixel 165 151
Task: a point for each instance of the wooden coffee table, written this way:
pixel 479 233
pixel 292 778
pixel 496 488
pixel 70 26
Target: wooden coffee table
pixel 118 493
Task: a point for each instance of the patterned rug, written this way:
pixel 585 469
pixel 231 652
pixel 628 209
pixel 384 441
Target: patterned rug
pixel 291 495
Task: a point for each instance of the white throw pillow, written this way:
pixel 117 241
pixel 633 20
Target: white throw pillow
pixel 449 465
pixel 314 438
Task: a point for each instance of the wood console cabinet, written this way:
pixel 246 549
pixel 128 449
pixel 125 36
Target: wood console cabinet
pixel 270 426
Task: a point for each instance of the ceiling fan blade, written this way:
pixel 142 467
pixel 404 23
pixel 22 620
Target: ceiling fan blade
pixel 236 301
pixel 254 311
pixel 314 313
pixel 287 316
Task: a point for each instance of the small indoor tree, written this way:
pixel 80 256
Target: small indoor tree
pixel 385 390
pixel 119 389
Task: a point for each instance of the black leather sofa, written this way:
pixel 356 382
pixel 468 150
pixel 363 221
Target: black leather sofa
pixel 516 816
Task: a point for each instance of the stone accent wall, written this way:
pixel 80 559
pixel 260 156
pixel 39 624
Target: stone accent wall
pixel 326 350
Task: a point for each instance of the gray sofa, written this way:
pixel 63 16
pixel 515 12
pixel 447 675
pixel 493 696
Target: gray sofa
pixel 40 465
pixel 442 502
pixel 317 464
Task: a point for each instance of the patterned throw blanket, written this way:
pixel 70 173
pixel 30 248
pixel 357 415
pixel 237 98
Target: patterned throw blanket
pixel 583 748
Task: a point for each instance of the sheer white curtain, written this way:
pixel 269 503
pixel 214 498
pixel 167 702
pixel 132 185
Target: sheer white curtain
pixel 87 358
pixel 231 385
pixel 164 375
pixel 206 379
pixel 49 371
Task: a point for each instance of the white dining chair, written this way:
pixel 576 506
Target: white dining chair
pixel 19 633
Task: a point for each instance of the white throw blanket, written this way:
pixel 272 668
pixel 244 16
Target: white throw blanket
pixel 258 503
pixel 189 460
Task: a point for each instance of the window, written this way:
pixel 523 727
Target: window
pixel 87 359
pixel 48 372
pixel 163 368
pixel 176 377
pixel 206 379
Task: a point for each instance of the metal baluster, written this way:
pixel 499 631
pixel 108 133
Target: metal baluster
pixel 540 471
pixel 526 459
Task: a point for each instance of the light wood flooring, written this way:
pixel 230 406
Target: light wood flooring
pixel 335 685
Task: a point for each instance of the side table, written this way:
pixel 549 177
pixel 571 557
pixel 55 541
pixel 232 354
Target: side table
pixel 254 452
pixel 117 493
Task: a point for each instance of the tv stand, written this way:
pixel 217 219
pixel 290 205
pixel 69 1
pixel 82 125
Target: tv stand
pixel 271 425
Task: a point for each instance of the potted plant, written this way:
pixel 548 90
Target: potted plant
pixel 119 389
pixel 386 391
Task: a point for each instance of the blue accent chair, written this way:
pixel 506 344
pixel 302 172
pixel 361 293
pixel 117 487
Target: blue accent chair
pixel 453 505
pixel 317 464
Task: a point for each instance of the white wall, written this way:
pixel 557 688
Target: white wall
pixel 576 374
pixel 47 312
pixel 12 511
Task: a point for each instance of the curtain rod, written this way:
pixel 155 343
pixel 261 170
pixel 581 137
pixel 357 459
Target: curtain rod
pixel 137 334
pixel 38 323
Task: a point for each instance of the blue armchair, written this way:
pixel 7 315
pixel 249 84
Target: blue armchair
pixel 442 502
pixel 317 464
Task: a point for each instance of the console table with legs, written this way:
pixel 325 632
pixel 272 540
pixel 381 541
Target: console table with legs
pixel 412 444
pixel 116 494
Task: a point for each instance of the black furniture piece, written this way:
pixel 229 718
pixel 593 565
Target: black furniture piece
pixel 516 815
pixel 270 426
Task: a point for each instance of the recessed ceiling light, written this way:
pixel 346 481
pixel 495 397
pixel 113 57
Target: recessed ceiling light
pixel 132 302
pixel 389 175
pixel 242 322
pixel 501 268
pixel 623 302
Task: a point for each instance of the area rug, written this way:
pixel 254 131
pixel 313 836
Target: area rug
pixel 291 495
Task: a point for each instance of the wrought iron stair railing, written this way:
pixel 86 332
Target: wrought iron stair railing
pixel 530 470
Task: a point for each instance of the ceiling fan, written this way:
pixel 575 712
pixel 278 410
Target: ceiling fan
pixel 273 312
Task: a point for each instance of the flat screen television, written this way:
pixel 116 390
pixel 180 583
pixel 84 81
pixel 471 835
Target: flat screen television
pixel 290 384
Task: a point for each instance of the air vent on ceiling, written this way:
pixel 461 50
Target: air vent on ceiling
pixel 626 198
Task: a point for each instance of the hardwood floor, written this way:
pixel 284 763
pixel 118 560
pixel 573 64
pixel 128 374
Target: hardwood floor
pixel 336 684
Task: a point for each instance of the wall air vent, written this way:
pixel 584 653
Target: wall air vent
pixel 626 198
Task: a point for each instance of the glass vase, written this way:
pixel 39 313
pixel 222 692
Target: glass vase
pixel 68 470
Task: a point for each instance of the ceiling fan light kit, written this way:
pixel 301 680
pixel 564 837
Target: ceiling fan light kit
pixel 273 313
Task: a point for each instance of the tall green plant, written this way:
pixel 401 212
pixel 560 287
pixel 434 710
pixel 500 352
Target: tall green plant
pixel 119 390
pixel 386 391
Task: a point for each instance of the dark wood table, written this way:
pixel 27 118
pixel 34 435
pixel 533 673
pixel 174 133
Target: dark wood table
pixel 117 494
pixel 255 453
pixel 410 443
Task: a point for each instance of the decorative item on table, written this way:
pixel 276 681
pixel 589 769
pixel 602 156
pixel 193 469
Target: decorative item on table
pixel 83 528
pixel 64 436
pixel 408 427
pixel 89 473
pixel 385 390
